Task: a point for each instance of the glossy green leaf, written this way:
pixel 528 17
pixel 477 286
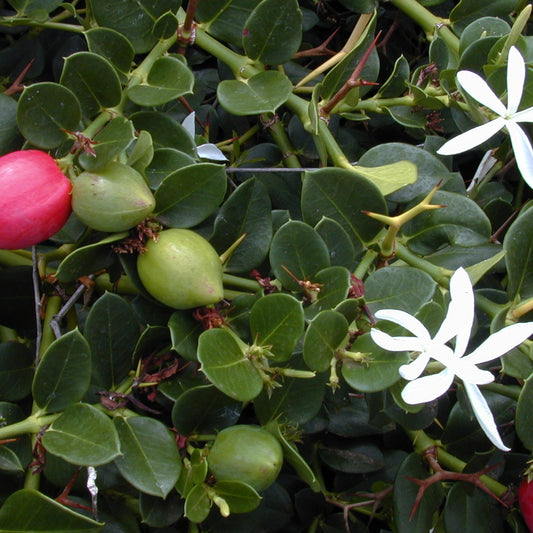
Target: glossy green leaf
pixel 398 288
pixel 292 456
pixel 277 321
pixel 342 251
pixel 298 248
pixel 184 332
pixel 88 259
pixel 165 26
pixel 150 460
pixel 9 462
pixel 189 195
pixel 481 28
pixel 83 435
pixel 9 132
pixel 225 19
pixel 30 510
pixel 471 511
pixel 110 142
pixel 240 497
pixel 294 403
pixel 518 244
pixel 112 330
pixel 197 504
pixel 322 338
pixel 113 46
pixel 225 364
pixel 133 18
pixel 193 473
pixel 262 93
pixel 334 287
pixel 405 491
pixel 273 31
pixel 460 223
pixel 143 152
pixel 165 131
pixel 351 457
pixel 378 372
pixel 204 410
pixel 246 212
pixel 168 79
pixel 159 512
pixel 44 111
pixel 28 7
pixel 467 11
pixel 93 79
pixel 342 195
pixel 163 163
pixel 524 414
pixel 63 374
pixel 16 371
pixel 396 83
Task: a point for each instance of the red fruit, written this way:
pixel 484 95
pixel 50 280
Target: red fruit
pixel 34 198
pixel 525 499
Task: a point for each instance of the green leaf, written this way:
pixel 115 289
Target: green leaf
pixel 461 222
pixel 334 287
pixel 9 132
pixel 342 195
pixel 322 338
pixel 405 288
pixel 165 26
pixel 93 79
pixel 240 497
pixel 351 457
pixel 164 162
pixel 150 460
pixel 262 93
pixel 396 83
pixel 63 374
pixel 184 332
pixel 524 414
pixel 28 7
pixel 273 31
pixel 133 18
pixel 112 331
pixel 467 11
pixel 246 211
pixel 204 410
pixel 44 111
pixel 405 491
pixel 110 142
pixel 165 131
pixel 471 511
pixel 277 321
pixel 189 195
pixel 112 46
pixel 226 365
pixel 481 28
pixel 193 473
pixel 9 461
pixel 342 251
pixel 88 259
pixel 225 19
pixel 518 243
pixel 298 248
pixel 29 510
pixel 143 152
pixel 84 436
pixel 168 79
pixel 16 371
pixel 378 372
pixel 197 504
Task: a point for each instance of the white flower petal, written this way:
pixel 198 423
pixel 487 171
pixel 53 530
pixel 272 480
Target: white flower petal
pixel 470 373
pixel 484 416
pixel 472 138
pixel 415 368
pixel 210 151
pixel 478 88
pixel 188 124
pixel 427 388
pixel 516 76
pixel 460 315
pixel 522 151
pixel 500 343
pixel 395 344
pixel 407 321
pixel 525 115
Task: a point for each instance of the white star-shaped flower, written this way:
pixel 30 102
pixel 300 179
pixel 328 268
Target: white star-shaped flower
pixel 457 323
pixel 205 151
pixel 508 117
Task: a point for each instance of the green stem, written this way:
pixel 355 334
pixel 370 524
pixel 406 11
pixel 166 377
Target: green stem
pixel 487 306
pixel 9 259
pixel 431 24
pixel 11 22
pixel 30 425
pixel 422 442
pixel 439 274
pixel 281 139
pixel 240 283
pixel 52 308
pixel 364 265
pixel 509 391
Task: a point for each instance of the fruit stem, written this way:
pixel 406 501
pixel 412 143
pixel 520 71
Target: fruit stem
pixel 240 283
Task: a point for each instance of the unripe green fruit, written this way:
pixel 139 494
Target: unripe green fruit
pixel 246 453
pixel 181 269
pixel 114 198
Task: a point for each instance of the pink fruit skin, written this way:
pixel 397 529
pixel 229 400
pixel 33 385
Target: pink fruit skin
pixel 34 198
pixel 525 499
